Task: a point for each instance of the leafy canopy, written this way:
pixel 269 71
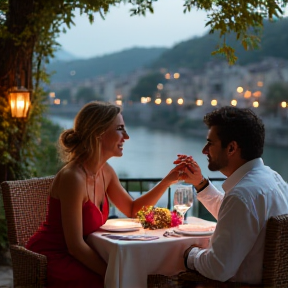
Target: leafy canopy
pixel 242 17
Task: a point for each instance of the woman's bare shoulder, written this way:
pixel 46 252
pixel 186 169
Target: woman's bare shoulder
pixel 109 173
pixel 108 169
pixel 70 178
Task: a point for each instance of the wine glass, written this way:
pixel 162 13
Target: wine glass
pixel 183 199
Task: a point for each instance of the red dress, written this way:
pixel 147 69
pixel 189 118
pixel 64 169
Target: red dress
pixel 63 270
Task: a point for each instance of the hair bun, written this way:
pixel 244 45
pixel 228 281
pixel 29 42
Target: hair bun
pixel 70 137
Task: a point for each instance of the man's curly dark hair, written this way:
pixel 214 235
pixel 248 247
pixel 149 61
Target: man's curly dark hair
pixel 240 125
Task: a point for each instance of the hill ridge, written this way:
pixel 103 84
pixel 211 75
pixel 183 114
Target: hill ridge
pixel 193 53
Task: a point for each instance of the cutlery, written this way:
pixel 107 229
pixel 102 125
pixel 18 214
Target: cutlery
pixel 131 237
pixel 171 234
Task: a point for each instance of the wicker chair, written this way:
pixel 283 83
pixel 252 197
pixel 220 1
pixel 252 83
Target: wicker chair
pixel 25 204
pixel 275 264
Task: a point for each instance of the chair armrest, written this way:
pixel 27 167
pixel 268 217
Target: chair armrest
pixel 195 276
pixel 191 279
pixel 183 279
pixel 29 268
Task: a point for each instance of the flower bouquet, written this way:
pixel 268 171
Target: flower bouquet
pixel 157 218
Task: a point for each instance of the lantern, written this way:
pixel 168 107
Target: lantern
pixel 19 102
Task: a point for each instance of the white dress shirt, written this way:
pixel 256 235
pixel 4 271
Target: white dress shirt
pixel 253 193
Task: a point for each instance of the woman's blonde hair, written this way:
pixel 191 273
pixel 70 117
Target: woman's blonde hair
pixel 82 142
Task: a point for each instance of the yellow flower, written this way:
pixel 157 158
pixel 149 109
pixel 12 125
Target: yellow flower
pixel 157 218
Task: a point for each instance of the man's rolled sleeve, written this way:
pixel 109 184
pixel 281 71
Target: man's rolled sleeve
pixel 192 255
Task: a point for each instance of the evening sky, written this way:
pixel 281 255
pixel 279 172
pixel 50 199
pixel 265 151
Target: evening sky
pixel 165 28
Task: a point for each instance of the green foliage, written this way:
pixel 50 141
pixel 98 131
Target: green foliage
pixel 244 18
pixel 36 32
pixel 147 86
pixel 47 161
pixel 194 53
pixel 18 162
pixel 227 51
pixel 142 6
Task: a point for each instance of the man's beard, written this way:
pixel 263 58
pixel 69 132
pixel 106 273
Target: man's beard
pixel 216 165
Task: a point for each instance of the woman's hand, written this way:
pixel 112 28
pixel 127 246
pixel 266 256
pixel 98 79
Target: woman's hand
pixel 176 174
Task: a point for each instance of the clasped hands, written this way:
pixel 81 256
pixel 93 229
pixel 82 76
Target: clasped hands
pixel 190 172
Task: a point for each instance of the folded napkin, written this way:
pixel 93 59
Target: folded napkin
pixel 131 237
pixel 197 227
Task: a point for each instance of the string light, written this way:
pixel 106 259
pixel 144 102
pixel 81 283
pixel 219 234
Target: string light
pixel 234 102
pixel 214 102
pixel 199 102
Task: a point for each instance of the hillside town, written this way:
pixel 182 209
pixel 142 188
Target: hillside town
pixel 218 81
pixel 191 93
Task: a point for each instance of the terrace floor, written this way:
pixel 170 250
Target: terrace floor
pixel 6 277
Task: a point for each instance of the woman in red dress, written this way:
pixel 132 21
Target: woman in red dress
pixel 78 201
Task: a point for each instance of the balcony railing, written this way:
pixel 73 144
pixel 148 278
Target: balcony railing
pixel 141 185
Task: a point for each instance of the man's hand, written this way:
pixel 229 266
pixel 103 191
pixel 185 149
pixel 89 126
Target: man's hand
pixel 192 172
pixel 186 254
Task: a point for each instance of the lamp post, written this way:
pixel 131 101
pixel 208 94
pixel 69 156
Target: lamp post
pixel 19 99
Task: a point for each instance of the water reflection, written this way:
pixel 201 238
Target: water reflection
pixel 276 159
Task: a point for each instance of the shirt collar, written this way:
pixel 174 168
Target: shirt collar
pixel 233 179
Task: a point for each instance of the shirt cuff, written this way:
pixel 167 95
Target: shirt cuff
pixel 207 192
pixel 191 257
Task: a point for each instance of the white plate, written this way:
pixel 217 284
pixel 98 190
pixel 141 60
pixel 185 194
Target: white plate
pixel 118 229
pixel 193 233
pixel 121 225
pixel 132 221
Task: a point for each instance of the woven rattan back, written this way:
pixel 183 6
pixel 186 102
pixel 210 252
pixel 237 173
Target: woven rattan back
pixel 275 264
pixel 25 204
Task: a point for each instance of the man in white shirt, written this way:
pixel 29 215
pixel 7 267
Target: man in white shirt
pixel 253 193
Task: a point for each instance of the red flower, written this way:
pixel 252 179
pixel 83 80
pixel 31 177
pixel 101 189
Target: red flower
pixel 175 219
pixel 150 217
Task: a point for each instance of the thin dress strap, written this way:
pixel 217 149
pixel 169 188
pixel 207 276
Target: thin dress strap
pixel 104 181
pixel 101 205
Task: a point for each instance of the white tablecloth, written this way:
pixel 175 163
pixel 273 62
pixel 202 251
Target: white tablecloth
pixel 130 262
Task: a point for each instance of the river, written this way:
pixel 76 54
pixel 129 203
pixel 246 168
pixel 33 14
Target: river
pixel 150 153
